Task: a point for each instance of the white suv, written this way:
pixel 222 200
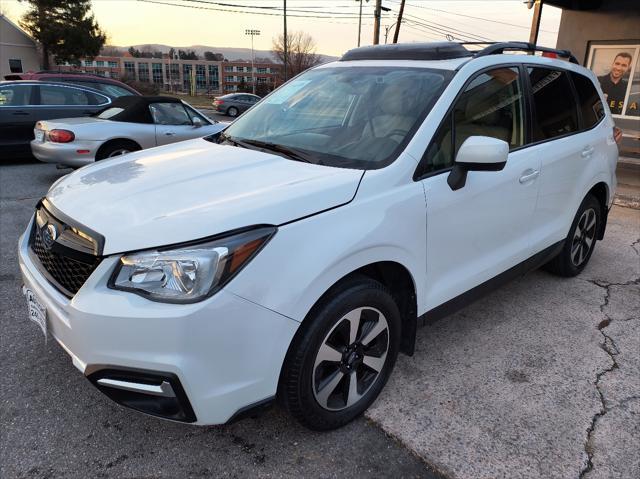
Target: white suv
pixel 293 256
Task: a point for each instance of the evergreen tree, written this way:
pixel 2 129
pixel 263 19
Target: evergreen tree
pixel 66 29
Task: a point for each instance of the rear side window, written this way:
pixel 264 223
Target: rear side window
pixel 554 104
pixel 52 95
pixel 589 101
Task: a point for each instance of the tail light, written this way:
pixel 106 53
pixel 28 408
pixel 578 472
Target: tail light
pixel 61 136
pixel 617 134
pixel 218 102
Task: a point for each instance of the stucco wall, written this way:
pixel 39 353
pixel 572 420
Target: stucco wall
pixel 15 44
pixel 615 20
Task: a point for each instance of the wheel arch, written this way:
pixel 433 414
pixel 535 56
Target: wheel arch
pixel 399 280
pixel 601 192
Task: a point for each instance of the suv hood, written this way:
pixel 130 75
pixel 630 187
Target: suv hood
pixel 194 189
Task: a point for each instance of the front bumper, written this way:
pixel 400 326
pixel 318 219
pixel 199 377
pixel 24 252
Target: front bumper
pixel 65 153
pixel 225 352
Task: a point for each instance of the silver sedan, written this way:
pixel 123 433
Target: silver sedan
pixel 128 124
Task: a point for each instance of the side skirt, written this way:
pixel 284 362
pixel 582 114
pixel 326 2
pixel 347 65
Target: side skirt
pixel 459 302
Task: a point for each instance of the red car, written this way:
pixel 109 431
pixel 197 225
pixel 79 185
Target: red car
pixel 108 86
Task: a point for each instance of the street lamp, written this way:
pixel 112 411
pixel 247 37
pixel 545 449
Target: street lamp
pixel 252 33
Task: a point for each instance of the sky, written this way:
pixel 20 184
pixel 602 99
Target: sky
pixel 183 23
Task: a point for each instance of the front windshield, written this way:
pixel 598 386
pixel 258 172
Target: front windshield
pixel 352 117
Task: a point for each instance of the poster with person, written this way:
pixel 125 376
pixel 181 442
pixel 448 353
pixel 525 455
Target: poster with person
pixel 616 67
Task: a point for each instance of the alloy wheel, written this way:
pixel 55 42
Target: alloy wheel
pixel 118 152
pixel 583 237
pixel 350 358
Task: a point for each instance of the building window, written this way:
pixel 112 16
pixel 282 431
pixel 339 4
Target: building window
pixel 15 65
pixel 261 80
pixel 229 88
pixel 262 70
pixel 229 79
pixel 186 76
pixel 143 72
pixel 228 69
pixel 240 69
pixel 214 80
pixel 130 70
pixel 156 71
pixel 201 79
pixel 113 64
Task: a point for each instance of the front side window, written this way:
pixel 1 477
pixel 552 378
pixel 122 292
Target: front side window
pixel 169 114
pixel 555 109
pixel 351 117
pixel 490 105
pixel 589 101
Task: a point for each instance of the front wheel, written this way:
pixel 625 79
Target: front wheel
pixel 232 112
pixel 342 356
pixel 581 240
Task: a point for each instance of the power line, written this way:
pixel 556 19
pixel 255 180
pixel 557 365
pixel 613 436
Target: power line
pixel 471 16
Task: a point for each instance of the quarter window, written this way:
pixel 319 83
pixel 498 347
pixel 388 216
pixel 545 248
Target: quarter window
pixel 554 105
pixel 491 105
pixel 589 101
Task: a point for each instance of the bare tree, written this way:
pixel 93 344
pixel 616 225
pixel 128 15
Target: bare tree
pixel 301 52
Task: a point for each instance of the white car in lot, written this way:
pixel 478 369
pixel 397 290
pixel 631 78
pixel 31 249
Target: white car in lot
pixel 130 123
pixel 293 256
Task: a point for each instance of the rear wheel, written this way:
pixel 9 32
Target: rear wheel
pixel 580 243
pixel 116 148
pixel 343 355
pixel 232 112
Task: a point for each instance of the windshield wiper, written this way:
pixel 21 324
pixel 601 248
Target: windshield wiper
pixel 291 153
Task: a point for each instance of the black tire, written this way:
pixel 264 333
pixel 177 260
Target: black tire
pixel 116 148
pixel 299 385
pixel 577 249
pixel 232 111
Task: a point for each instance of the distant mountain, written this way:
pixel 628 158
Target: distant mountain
pixel 231 54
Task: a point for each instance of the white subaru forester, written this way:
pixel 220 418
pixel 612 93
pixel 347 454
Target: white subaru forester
pixel 292 256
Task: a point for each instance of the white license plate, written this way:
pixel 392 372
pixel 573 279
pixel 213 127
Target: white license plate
pixel 37 312
pixel 39 134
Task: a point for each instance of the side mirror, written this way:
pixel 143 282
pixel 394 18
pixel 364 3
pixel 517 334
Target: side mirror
pixel 477 153
pixel 197 122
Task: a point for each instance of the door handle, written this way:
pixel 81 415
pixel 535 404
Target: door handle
pixel 588 151
pixel 528 175
pixel 20 113
pixel 169 133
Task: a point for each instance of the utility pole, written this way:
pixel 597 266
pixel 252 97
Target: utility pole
pixel 252 33
pixel 284 42
pixel 397 33
pixel 376 22
pixel 535 21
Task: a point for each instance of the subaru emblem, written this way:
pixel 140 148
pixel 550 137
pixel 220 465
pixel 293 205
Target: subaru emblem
pixel 49 234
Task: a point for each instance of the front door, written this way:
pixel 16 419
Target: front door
pixel 173 123
pixel 482 229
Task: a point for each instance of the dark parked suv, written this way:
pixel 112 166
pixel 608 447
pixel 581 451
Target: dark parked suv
pixel 110 87
pixel 23 103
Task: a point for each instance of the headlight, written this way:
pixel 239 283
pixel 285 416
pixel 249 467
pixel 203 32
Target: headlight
pixel 189 273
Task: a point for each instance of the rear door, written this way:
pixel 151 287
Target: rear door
pixel 67 101
pixel 17 119
pixel 567 154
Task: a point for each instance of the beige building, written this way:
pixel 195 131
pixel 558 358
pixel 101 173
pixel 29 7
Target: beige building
pixel 18 51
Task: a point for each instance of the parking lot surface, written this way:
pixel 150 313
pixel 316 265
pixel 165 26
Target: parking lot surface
pixel 54 424
pixel 539 379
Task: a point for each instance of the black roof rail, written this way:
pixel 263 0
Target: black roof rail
pixel 497 48
pixel 409 51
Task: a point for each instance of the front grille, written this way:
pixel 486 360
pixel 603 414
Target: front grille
pixel 65 268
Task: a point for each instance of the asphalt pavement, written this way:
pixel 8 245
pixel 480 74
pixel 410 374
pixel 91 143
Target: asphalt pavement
pixel 55 424
pixel 539 379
